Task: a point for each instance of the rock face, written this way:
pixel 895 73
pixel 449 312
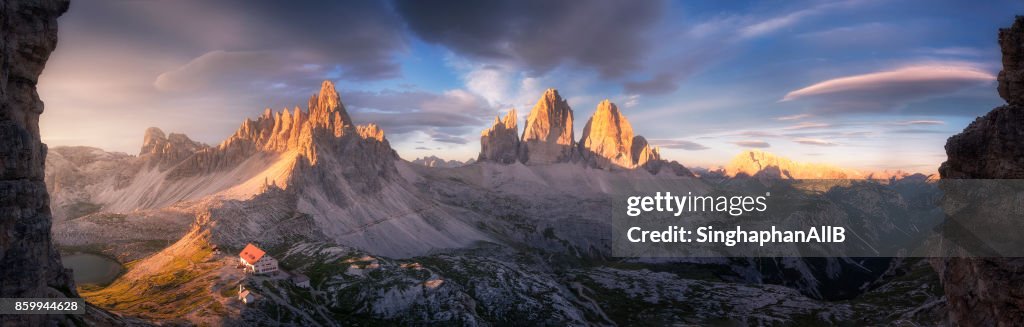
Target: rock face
pixel 500 143
pixel 986 292
pixel 31 264
pixel 326 129
pixel 608 141
pixel 76 174
pixel 548 136
pixel 166 151
pixel 1011 78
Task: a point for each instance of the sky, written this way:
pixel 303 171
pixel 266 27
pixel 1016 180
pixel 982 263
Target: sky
pixel 859 84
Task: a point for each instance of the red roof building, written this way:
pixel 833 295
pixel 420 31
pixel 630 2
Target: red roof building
pixel 256 260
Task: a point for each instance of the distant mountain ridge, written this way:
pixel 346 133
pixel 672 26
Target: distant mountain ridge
pixel 434 161
pixel 757 163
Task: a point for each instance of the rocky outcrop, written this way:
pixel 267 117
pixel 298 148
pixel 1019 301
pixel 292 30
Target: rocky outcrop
pixel 326 129
pixel 75 174
pixel 165 151
pixel 754 163
pixel 548 136
pixel 31 264
pixel 500 143
pixel 608 141
pixel 986 292
pixel 1011 78
pixel 673 167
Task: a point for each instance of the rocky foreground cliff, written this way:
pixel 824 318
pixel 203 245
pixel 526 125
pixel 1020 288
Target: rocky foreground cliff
pixel 987 292
pixel 30 266
pixel 29 30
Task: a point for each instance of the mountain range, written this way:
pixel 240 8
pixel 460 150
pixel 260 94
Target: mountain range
pixel 519 235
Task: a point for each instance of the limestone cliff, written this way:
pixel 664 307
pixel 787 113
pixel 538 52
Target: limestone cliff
pixel 987 292
pixel 31 265
pixel 165 151
pixel 608 141
pixel 500 143
pixel 325 129
pixel 548 136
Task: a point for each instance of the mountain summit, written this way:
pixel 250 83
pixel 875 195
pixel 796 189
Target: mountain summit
pixel 548 136
pixel 500 143
pixel 608 140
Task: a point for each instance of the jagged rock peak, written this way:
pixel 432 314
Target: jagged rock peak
pixel 326 127
pixel 643 152
pixel 326 109
pixel 151 138
pixel 1011 78
pixel 607 137
pixel 500 143
pixel 548 135
pixel 371 131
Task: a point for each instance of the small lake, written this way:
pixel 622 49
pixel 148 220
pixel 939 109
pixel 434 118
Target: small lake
pixel 92 269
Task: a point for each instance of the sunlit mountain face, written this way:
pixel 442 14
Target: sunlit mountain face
pixel 860 84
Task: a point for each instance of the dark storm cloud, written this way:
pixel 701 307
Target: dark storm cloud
pixel 352 40
pixel 608 36
pixel 660 84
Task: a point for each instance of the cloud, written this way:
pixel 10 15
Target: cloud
pixel 920 122
pixel 450 139
pixel 775 23
pixel 793 117
pixel 890 90
pixel 358 39
pixel 920 131
pixel 238 71
pixel 608 36
pixel 758 134
pixel 662 83
pixel 806 125
pixel 679 144
pixel 445 117
pixel 753 144
pixel 818 142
